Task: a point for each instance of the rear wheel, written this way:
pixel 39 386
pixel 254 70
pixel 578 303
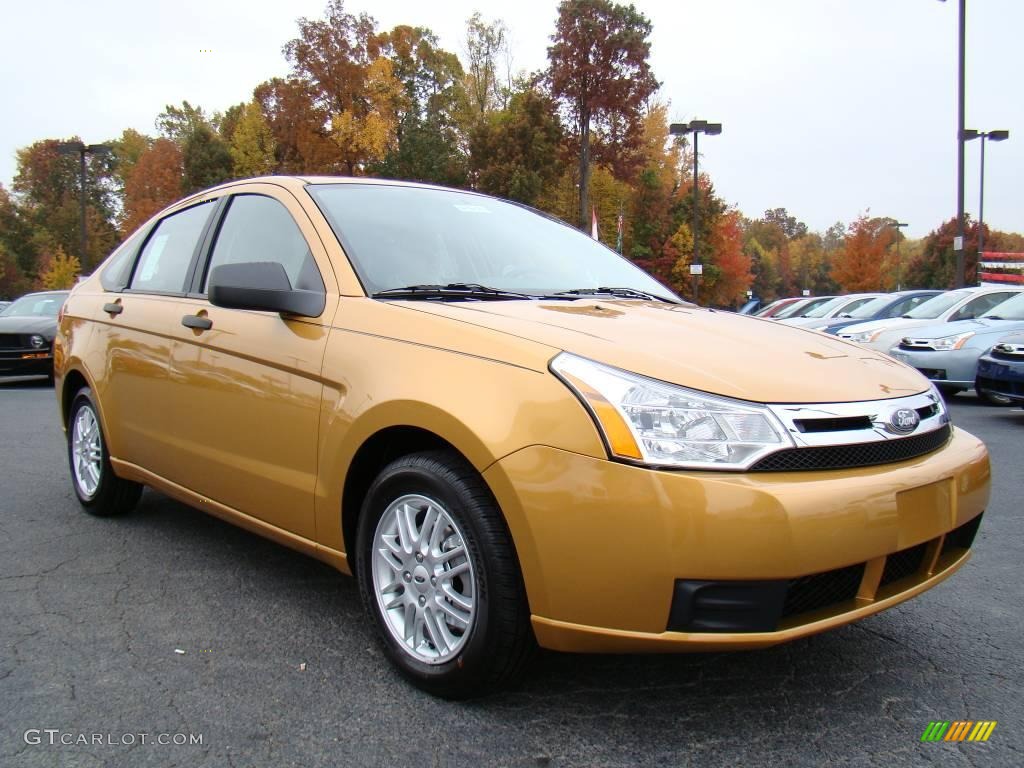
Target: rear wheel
pixel 99 490
pixel 440 579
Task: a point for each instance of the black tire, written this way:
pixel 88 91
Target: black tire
pixel 993 398
pixel 112 495
pixel 499 641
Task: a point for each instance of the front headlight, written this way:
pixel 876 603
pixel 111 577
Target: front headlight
pixel 651 422
pixel 37 341
pixel 864 337
pixel 946 343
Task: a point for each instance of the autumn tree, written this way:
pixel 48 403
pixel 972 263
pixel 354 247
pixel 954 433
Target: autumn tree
pixel 298 124
pixel 155 182
pixel 860 265
pixel 935 266
pixel 732 275
pixel 599 72
pixel 47 184
pixel 252 143
pixel 127 151
pixel 59 271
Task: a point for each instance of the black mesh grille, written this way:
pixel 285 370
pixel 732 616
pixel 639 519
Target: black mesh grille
pixel 11 341
pixel 904 563
pixel 962 537
pixel 855 455
pixel 1001 386
pixel 809 593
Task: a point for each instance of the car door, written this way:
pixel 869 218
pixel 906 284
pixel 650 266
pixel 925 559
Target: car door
pixel 135 318
pixel 250 381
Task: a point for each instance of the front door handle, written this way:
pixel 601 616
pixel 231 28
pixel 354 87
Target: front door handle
pixel 197 322
pixel 113 308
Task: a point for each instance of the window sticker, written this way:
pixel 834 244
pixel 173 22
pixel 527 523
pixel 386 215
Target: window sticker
pixel 471 208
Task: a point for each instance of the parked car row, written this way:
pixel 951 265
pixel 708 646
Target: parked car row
pixel 943 334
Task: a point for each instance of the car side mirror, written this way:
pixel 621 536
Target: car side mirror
pixel 263 286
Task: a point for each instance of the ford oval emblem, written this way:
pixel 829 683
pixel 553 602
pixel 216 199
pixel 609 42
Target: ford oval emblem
pixel 903 421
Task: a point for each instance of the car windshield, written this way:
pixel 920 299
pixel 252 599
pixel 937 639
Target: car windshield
pixel 36 305
pixel 400 236
pixel 823 309
pixel 929 310
pixel 871 308
pixel 1011 309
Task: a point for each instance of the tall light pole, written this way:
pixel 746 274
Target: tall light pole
pixel 898 225
pixel 958 243
pixel 696 127
pixel 969 135
pixel 81 149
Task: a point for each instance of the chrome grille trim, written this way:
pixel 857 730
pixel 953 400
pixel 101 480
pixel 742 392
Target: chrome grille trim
pixel 929 405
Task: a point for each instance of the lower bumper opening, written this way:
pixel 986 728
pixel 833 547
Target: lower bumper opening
pixel 770 605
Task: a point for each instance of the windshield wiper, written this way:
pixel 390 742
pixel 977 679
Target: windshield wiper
pixel 450 291
pixel 625 293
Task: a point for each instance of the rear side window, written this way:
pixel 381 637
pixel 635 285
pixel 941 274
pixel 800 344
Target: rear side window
pixel 258 228
pixel 118 268
pixel 167 254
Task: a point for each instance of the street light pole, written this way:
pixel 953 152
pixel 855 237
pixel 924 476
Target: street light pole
pixel 81 149
pixel 958 243
pixel 969 135
pixel 696 127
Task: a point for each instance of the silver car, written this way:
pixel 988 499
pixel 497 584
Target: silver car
pixel 948 353
pixel 826 314
pixel 949 307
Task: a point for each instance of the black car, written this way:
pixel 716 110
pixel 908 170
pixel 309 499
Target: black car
pixel 27 328
pixel 1001 369
pixel 890 305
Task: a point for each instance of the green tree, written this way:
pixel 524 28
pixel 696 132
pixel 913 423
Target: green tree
pixel 516 153
pixel 599 72
pixel 252 143
pixel 207 160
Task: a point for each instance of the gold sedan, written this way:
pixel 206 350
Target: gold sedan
pixel 507 432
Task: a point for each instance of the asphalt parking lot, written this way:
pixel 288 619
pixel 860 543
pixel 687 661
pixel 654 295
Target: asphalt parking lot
pixel 92 612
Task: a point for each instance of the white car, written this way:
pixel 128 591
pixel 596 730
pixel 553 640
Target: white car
pixel 948 307
pixel 825 314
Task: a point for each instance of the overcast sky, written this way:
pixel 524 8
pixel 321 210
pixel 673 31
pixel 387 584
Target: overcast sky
pixel 830 107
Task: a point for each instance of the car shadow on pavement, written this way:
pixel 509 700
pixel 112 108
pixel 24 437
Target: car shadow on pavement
pixel 264 600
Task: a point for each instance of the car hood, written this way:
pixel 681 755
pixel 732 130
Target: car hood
pixel 45 326
pixel 981 326
pixel 719 352
pixel 889 324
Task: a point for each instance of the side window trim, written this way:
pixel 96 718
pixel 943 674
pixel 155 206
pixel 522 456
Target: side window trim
pixel 195 252
pixel 204 252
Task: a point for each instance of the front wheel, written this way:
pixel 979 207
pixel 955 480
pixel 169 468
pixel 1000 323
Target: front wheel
pixel 440 579
pixel 99 490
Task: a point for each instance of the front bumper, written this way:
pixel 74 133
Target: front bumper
pixel 957 367
pixel 24 362
pixel 1002 377
pixel 603 546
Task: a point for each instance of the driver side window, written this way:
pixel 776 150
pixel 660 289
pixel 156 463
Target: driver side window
pixel 257 228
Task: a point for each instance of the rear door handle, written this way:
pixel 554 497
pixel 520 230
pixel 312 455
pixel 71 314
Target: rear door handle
pixel 197 322
pixel 113 308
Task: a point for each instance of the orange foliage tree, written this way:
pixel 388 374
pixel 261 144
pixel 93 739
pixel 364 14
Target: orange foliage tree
pixel 154 183
pixel 860 264
pixel 733 265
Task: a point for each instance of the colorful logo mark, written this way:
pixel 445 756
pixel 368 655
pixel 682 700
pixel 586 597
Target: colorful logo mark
pixel 958 730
